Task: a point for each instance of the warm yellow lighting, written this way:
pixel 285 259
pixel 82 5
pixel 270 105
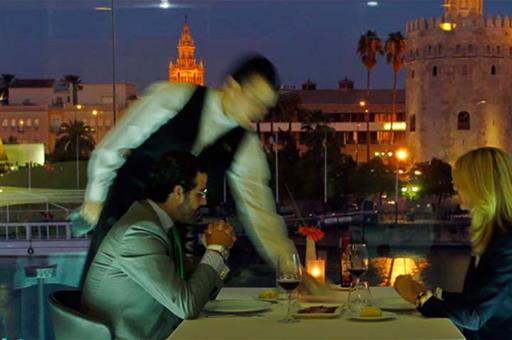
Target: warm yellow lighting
pixel 447 26
pixel 316 268
pixel 95 112
pixel 402 266
pixel 79 106
pixel 401 172
pixel 404 189
pixel 415 189
pixel 401 154
pixel 398 126
pixel 102 8
pixel 418 173
pixel 362 103
pixel 390 154
pixel 22 122
pixel 377 154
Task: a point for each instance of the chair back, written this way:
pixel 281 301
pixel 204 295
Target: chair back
pixel 70 323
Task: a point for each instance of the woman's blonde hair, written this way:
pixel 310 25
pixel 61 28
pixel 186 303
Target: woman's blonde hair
pixel 485 177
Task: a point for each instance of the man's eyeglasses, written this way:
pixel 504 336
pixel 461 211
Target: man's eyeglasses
pixel 202 193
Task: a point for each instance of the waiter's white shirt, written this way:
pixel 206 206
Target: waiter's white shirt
pixel 248 175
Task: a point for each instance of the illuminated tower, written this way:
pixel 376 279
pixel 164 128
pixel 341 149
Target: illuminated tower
pixel 186 69
pixel 459 78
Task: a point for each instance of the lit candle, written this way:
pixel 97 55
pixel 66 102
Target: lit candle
pixel 316 268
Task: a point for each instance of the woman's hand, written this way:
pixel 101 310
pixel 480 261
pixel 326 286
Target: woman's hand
pixel 408 288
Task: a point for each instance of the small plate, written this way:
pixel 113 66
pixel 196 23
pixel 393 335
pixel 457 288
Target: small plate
pixel 394 303
pixel 332 315
pixel 385 316
pixel 236 306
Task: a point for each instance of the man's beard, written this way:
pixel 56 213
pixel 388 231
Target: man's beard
pixel 189 215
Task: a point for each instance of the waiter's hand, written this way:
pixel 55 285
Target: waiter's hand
pixel 312 286
pixel 220 233
pixel 91 211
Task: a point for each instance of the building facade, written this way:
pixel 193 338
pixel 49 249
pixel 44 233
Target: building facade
pixel 39 107
pixel 345 111
pixel 458 84
pixel 186 69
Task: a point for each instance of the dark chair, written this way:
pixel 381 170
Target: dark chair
pixel 70 323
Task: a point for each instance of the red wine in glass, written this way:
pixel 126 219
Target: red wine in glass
pixel 357 272
pixel 288 285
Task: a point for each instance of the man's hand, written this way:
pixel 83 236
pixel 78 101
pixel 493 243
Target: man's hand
pixel 409 289
pixel 91 211
pixel 220 233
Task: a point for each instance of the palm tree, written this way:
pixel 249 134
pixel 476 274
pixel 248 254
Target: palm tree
pixel 368 47
pixel 74 137
pixel 7 80
pixel 75 82
pixel 395 50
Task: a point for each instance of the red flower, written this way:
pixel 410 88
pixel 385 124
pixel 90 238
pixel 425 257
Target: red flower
pixel 312 232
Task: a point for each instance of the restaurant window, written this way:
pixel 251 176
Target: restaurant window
pixel 412 123
pixel 36 123
pixel 463 121
pixel 13 123
pixel 5 123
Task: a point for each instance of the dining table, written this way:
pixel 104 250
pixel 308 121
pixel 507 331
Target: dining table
pixel 406 324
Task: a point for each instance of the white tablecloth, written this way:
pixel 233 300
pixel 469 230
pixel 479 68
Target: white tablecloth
pixel 405 326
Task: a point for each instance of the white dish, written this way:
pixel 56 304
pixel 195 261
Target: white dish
pixel 383 317
pixel 236 306
pixel 394 303
pixel 334 314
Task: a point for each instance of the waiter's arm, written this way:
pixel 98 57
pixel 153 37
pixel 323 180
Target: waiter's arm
pixel 161 102
pixel 248 179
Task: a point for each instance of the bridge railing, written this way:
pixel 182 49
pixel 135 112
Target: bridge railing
pixel 26 231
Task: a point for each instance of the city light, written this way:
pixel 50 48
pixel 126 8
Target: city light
pixel 94 112
pixel 372 3
pixel 165 4
pixel 447 26
pixel 417 173
pixel 362 103
pixel 79 106
pixel 399 126
pixel 102 8
pixel 402 154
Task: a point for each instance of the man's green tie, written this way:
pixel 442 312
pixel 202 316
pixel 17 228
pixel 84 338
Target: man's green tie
pixel 178 252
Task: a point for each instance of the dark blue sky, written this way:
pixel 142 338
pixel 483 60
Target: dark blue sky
pixel 313 39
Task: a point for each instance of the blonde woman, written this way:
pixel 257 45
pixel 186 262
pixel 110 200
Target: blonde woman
pixel 483 179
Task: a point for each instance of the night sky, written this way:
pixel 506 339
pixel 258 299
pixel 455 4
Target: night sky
pixel 313 39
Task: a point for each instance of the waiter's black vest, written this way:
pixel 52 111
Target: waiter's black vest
pixel 179 133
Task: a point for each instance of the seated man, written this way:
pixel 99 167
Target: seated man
pixel 137 282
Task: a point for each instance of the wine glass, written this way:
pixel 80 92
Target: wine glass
pixel 357 266
pixel 288 277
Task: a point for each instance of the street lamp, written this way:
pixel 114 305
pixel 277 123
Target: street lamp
pixel 400 155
